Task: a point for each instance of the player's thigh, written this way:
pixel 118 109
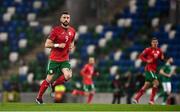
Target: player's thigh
pixel 146 85
pixel 164 84
pixel 92 88
pixel 85 88
pixel 51 70
pixel 57 74
pixel 49 77
pixel 151 77
pixel 169 88
pixel 155 83
pixel 66 69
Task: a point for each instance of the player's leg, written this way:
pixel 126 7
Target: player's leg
pixel 78 92
pixel 44 85
pixel 91 94
pixel 128 98
pixel 66 74
pixel 168 92
pixel 148 78
pixel 119 98
pixel 50 71
pixel 90 97
pixel 160 94
pixel 154 91
pixel 141 92
pixel 165 95
pixel 81 92
pixel 114 98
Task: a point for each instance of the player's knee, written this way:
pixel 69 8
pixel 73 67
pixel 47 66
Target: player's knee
pixel 86 93
pixel 146 86
pixel 155 84
pixel 68 75
pixel 93 92
pixel 168 92
pixel 49 78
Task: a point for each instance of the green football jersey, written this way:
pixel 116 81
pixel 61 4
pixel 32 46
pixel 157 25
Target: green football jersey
pixel 166 69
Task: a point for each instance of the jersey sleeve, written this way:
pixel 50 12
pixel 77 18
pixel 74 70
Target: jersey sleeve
pixel 52 34
pixel 83 71
pixel 143 54
pixel 164 67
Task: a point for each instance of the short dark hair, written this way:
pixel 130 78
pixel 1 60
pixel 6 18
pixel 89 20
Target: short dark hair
pixel 166 57
pixel 64 12
pixel 154 38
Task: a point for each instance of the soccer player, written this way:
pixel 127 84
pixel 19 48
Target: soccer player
pixel 150 56
pixel 166 72
pixel 87 73
pixel 61 41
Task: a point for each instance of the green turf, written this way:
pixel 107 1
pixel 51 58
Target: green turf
pixel 84 107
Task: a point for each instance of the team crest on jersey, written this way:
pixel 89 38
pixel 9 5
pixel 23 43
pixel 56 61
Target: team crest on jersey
pixel 51 71
pixel 70 34
pixel 156 54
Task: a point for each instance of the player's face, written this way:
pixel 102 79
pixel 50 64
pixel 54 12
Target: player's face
pixel 65 19
pixel 91 60
pixel 154 43
pixel 170 60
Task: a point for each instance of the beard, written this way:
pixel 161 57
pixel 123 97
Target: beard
pixel 65 23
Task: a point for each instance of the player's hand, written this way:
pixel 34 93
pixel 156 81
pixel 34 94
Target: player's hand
pixel 71 47
pixel 174 72
pixel 62 45
pixel 149 60
pixel 126 85
pixel 169 75
pixel 97 73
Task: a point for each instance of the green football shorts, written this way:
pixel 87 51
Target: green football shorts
pixel 88 88
pixel 150 76
pixel 55 68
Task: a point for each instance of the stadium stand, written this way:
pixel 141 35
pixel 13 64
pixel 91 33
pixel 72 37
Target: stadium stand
pixel 20 31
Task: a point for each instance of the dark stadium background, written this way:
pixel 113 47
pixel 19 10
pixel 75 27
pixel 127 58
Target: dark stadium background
pixel 113 31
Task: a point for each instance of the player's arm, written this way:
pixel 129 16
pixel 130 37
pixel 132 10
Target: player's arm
pixel 71 45
pixel 162 56
pixel 142 56
pixel 50 41
pixel 163 73
pixel 50 44
pixel 96 73
pixel 83 71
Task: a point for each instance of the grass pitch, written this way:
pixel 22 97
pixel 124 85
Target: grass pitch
pixel 84 107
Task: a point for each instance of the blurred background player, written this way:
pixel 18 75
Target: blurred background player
pixel 87 73
pixel 150 56
pixel 166 73
pixel 60 40
pixel 117 86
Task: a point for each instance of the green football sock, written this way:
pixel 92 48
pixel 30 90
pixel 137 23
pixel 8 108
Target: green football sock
pixel 165 97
